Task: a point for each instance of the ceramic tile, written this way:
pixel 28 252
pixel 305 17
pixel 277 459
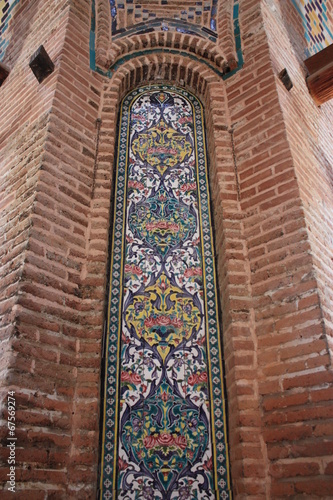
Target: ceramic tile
pixel 190 490
pixel 315 23
pixel 140 491
pixel 167 310
pixel 182 18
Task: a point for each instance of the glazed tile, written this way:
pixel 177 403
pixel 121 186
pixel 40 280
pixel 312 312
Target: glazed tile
pixel 167 378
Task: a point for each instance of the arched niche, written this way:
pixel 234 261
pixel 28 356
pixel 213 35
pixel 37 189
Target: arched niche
pixel 204 83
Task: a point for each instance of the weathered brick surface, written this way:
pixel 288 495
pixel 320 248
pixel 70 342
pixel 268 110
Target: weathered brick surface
pixel 307 358
pixel 271 198
pixel 23 125
pixel 50 334
pixel 291 341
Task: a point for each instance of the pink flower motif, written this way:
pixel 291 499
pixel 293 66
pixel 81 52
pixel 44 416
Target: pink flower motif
pixel 177 323
pixel 188 187
pixel 132 269
pixel 121 464
pixel 165 439
pixel 209 464
pixel 164 396
pixel 202 377
pixel 163 320
pixel 174 228
pixel 185 119
pixel 135 185
pixel 197 378
pixel 136 379
pixel 181 442
pixel 133 378
pixel 164 225
pixel 193 379
pixel 125 377
pixel 193 271
pixel 149 442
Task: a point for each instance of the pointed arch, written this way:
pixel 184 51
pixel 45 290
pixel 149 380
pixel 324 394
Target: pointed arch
pixel 196 78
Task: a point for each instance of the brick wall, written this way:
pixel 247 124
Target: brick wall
pixel 271 274
pixel 309 134
pixel 293 357
pixel 24 118
pixel 51 335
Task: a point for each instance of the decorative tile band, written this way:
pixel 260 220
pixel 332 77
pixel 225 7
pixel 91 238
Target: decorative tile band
pixel 164 430
pixel 148 27
pixel 166 24
pixel 6 9
pixel 316 30
pixel 128 15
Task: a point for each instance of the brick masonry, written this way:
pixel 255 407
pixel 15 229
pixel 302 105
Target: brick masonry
pixel 271 181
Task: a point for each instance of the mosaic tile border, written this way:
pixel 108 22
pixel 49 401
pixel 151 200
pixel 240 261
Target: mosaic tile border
pixel 314 18
pixel 183 25
pixel 109 73
pixel 166 24
pixel 110 428
pixel 6 10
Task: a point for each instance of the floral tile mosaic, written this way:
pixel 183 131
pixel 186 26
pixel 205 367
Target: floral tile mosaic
pixel 315 22
pixel 164 432
pixel 6 8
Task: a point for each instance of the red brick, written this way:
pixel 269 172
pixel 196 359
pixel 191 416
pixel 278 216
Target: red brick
pixel 286 470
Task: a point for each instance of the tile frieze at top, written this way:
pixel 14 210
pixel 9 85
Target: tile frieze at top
pixel 207 31
pixel 187 16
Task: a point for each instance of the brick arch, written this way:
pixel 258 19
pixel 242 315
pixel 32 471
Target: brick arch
pixel 222 53
pixel 150 67
pixel 209 88
pixel 225 31
pixel 197 45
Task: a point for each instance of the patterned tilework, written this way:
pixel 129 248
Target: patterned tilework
pixel 187 16
pixel 164 435
pixel 152 27
pixel 6 8
pixel 317 32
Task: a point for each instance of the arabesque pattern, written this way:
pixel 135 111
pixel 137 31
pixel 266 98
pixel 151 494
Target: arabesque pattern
pixel 164 429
